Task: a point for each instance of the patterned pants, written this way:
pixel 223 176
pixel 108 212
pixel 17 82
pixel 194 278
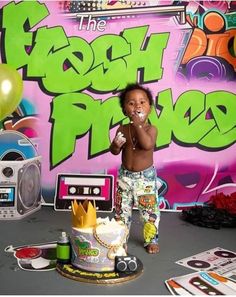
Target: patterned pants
pixel 139 189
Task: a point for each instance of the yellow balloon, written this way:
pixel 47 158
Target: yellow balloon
pixel 11 88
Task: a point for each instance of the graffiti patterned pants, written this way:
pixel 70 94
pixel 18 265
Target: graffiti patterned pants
pixel 138 189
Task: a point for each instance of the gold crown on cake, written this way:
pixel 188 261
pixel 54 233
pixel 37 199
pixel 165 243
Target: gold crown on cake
pixel 83 215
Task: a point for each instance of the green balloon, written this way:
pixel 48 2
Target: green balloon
pixel 11 88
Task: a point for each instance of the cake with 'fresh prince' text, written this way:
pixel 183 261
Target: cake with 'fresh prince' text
pixel 95 241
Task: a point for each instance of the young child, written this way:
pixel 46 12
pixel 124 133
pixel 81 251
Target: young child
pixel 136 185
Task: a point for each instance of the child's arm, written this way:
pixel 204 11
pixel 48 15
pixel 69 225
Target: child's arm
pixel 117 143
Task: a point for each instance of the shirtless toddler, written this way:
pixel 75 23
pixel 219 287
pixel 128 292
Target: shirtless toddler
pixel 136 185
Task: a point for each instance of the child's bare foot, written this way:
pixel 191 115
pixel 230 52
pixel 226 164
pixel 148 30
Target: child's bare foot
pixel 153 248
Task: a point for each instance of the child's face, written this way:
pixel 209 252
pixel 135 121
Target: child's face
pixel 137 102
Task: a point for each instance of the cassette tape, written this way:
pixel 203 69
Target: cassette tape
pixel 218 259
pixel 202 283
pixel 98 188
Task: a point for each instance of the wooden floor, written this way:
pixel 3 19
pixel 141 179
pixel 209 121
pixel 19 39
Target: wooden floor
pixel 178 239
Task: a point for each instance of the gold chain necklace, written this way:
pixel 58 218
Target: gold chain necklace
pixel 133 140
pixel 112 248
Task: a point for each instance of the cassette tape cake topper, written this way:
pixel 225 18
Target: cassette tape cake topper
pixel 98 187
pixel 20 176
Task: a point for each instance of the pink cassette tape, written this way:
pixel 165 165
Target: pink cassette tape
pixel 99 187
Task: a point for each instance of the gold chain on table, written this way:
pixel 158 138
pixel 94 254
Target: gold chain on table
pixel 103 243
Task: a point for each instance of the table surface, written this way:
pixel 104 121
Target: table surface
pixel 178 240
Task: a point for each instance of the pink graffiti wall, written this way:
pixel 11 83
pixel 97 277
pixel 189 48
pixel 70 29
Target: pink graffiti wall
pixel 75 57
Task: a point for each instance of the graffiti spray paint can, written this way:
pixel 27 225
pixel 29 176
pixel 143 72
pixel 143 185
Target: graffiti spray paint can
pixel 63 249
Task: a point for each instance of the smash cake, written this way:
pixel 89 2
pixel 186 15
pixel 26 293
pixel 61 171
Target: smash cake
pixel 95 242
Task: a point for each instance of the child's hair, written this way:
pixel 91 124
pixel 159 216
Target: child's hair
pixel 131 87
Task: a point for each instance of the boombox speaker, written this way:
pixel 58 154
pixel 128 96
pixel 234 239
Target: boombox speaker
pixel 20 188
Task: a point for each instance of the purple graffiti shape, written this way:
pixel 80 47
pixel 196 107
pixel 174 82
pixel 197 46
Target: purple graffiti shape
pixel 209 68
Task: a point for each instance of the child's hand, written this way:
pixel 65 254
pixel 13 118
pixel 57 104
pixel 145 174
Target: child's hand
pixel 137 118
pixel 119 140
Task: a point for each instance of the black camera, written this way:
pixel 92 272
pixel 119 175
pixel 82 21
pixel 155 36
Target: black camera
pixel 126 263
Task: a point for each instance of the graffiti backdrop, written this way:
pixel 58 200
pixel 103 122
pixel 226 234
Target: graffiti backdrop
pixel 75 57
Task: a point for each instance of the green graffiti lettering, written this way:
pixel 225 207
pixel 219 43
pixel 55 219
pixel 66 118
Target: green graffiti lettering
pixel 196 119
pixel 164 121
pixel 221 106
pixel 47 41
pixel 71 118
pixel 109 66
pixel 89 252
pixel 205 120
pixel 17 20
pixel 74 115
pixel 69 64
pixel 111 114
pixel 144 57
pixel 68 67
pixel 190 124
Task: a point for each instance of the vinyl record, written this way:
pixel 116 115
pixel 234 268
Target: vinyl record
pixel 29 186
pixel 16 146
pixel 28 253
pixel 225 254
pixel 198 264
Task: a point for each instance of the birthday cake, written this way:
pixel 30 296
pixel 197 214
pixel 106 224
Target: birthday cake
pixel 95 241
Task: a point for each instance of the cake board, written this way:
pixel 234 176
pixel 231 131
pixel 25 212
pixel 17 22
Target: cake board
pixel 106 277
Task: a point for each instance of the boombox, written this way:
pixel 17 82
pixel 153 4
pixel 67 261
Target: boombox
pixel 20 172
pixel 20 188
pixel 126 263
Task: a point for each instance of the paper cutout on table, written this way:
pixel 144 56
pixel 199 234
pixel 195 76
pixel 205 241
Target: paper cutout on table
pixel 35 257
pixel 201 283
pixel 219 260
